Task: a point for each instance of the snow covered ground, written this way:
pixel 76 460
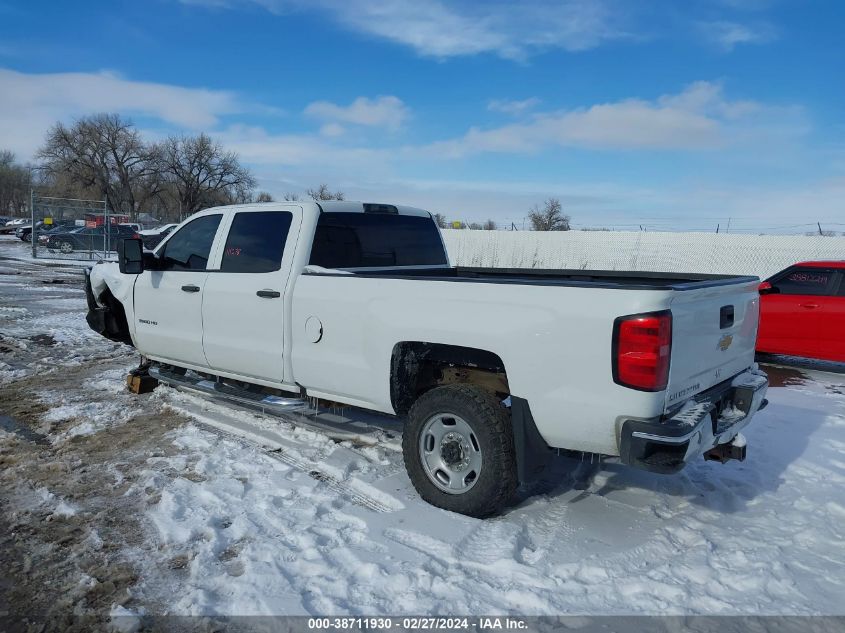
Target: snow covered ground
pixel 169 503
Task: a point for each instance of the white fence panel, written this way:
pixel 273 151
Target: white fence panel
pixel 718 253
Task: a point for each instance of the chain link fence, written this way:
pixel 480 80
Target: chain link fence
pixel 717 253
pixel 67 228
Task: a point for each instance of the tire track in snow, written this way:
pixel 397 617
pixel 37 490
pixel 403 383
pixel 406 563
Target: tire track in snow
pixel 354 490
pixel 349 488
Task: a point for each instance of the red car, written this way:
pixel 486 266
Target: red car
pixel 802 311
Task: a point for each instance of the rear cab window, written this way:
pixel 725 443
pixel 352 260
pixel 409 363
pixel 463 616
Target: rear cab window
pixel 806 281
pixel 373 240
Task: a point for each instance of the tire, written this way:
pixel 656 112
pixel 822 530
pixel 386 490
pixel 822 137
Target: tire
pixel 486 449
pixel 66 247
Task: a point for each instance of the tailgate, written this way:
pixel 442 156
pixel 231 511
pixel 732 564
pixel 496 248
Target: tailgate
pixel 714 331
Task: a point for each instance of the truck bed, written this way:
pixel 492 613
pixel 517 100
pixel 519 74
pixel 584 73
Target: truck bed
pixel 552 277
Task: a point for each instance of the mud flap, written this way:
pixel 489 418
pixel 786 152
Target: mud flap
pixel 532 452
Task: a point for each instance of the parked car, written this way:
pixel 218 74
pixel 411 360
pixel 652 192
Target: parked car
pixel 10 226
pixel 495 369
pixel 61 226
pixel 89 239
pixel 25 232
pixel 802 311
pixel 153 237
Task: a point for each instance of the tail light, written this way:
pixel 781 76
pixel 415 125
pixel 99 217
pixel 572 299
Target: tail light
pixel 642 346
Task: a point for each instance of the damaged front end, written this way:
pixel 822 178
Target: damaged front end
pixel 106 315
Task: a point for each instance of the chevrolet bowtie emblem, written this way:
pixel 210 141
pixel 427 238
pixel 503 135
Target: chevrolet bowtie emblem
pixel 725 342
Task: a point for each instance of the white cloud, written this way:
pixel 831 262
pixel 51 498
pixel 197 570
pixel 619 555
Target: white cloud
pixel 257 146
pixel 699 117
pixel 387 111
pixel 440 29
pixel 332 130
pixel 514 108
pixel 726 35
pixel 31 103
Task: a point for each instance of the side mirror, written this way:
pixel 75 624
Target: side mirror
pixel 151 262
pixel 130 257
pixel 766 288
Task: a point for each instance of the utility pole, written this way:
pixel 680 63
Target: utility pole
pixel 717 228
pixel 32 233
pixel 820 228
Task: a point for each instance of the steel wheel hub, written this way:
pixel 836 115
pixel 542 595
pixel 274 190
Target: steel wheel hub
pixel 450 453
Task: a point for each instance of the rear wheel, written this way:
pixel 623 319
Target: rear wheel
pixel 458 450
pixel 66 247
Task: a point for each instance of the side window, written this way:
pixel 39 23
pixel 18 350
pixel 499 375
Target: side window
pixel 190 247
pixel 359 240
pixel 806 281
pixel 256 242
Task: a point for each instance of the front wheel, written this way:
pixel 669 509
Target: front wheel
pixel 66 247
pixel 458 450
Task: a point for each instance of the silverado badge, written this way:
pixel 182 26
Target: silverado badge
pixel 725 342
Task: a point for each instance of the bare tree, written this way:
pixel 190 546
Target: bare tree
pixel 291 197
pixel 475 226
pixel 324 193
pixel 490 225
pixel 440 219
pixel 549 217
pixel 202 173
pixel 15 183
pixel 102 153
pixel 264 196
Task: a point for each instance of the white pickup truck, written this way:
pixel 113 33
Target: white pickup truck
pixel 495 369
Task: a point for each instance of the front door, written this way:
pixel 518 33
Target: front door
pixel 168 302
pixel 790 316
pixel 244 306
pixel 832 323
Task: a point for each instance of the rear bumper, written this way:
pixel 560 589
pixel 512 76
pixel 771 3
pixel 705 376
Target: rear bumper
pixel 711 419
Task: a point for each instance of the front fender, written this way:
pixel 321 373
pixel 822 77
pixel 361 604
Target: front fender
pixel 109 298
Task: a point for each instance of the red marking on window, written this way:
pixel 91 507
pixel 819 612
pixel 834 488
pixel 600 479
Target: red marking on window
pixel 809 278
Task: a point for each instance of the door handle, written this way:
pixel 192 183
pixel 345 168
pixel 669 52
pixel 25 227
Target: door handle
pixel 191 288
pixel 809 306
pixel 269 294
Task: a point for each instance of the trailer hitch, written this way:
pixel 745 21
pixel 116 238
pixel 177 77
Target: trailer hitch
pixel 722 453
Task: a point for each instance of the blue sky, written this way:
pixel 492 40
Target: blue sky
pixel 662 113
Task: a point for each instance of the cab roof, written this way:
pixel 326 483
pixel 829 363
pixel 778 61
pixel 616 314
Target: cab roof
pixel 822 263
pixel 348 206
pixel 331 206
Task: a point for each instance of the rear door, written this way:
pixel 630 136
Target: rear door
pixel 790 318
pixel 168 302
pixel 713 334
pixel 244 304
